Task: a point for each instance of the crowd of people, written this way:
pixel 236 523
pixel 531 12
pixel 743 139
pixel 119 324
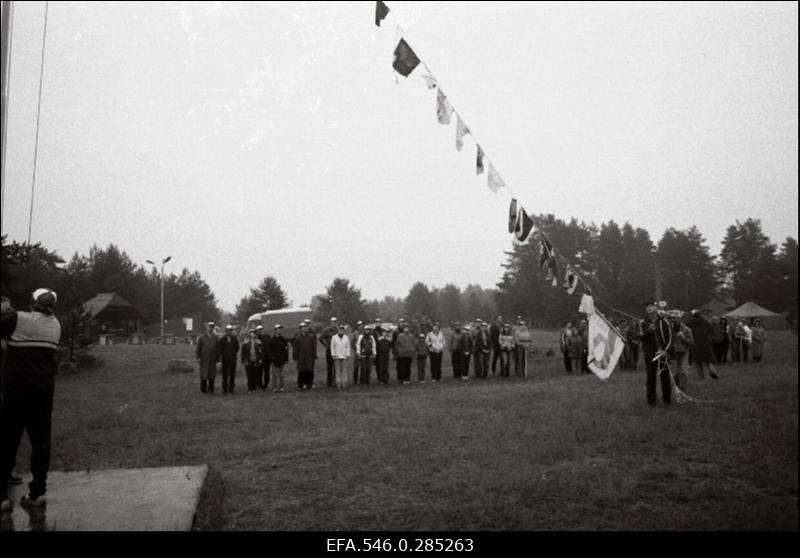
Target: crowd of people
pixel 352 354
pixel 671 342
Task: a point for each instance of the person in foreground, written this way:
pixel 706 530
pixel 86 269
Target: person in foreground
pixel 28 389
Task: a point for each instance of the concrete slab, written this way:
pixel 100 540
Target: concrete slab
pixel 155 499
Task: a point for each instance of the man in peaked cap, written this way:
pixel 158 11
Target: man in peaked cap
pixel 207 354
pixel 28 388
pixel 325 340
pixel 228 353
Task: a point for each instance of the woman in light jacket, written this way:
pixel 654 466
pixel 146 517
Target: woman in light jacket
pixel 340 352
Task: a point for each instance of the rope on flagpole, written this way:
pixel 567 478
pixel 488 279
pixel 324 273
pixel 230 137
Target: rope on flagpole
pixel 38 115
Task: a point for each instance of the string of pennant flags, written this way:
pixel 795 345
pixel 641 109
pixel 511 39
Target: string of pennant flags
pixel 521 225
pixel 606 340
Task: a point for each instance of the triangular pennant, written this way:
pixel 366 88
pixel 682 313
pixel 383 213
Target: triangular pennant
pixel 523 228
pixel 493 180
pixel 461 131
pixel 443 108
pixel 381 11
pixel 512 216
pixel 552 270
pixel 479 162
pixel 546 250
pixel 570 280
pixel 404 59
pixel 430 81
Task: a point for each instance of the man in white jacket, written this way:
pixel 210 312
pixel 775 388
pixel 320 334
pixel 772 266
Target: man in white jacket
pixel 340 352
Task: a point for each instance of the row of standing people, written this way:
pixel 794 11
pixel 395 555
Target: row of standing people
pixel 368 346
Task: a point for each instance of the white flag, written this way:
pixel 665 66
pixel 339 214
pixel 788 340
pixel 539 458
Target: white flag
pixel 443 108
pixel 493 180
pixel 461 131
pixel 605 346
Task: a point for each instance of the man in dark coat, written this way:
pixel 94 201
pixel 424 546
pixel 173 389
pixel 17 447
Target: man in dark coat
pixel 207 354
pixel 656 338
pixel 325 341
pixel 701 351
pixel 228 353
pixel 266 343
pixel 305 355
pixel 494 334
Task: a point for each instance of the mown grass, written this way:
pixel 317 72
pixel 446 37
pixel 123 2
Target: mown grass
pixel 550 452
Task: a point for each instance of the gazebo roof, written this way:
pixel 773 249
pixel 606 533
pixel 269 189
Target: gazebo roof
pixel 111 306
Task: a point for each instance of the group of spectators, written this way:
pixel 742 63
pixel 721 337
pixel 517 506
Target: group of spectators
pixel 352 354
pixel 739 339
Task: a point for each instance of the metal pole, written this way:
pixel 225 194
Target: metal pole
pixel 162 301
pixel 5 72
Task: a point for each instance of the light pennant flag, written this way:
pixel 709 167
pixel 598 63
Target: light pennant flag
pixel 493 180
pixel 461 131
pixel 605 346
pixel 443 108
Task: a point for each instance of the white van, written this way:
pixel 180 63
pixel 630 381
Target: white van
pixel 289 318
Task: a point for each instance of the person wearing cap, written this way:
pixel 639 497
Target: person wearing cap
pixel 365 352
pixel 27 391
pixel 266 343
pixel 383 351
pixel 456 353
pixel 395 334
pixel 405 349
pixel 522 340
pixel 682 343
pixel 228 353
pixel 279 356
pixel 494 336
pixel 422 357
pixel 207 354
pixel 252 355
pixel 325 341
pixel 701 350
pixel 305 356
pixel 340 352
pixel 656 337
pixel 506 341
pixel 481 349
pixel 436 347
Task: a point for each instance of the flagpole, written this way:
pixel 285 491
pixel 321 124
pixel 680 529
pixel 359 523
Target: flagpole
pixel 5 73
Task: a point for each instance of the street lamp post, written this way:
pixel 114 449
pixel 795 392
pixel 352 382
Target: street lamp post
pixel 165 260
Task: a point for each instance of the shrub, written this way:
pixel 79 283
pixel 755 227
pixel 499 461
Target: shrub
pixel 180 365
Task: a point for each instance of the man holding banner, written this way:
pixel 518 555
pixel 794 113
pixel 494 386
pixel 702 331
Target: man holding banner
pixel 656 338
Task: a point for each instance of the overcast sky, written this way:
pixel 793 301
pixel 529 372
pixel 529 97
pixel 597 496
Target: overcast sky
pixel 274 138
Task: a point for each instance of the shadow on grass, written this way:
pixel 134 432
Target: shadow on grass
pixel 210 515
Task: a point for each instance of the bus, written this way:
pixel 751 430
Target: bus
pixel 289 318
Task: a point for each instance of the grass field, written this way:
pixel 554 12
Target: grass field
pixel 550 452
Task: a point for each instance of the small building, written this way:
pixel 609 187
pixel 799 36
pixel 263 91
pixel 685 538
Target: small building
pixel 112 315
